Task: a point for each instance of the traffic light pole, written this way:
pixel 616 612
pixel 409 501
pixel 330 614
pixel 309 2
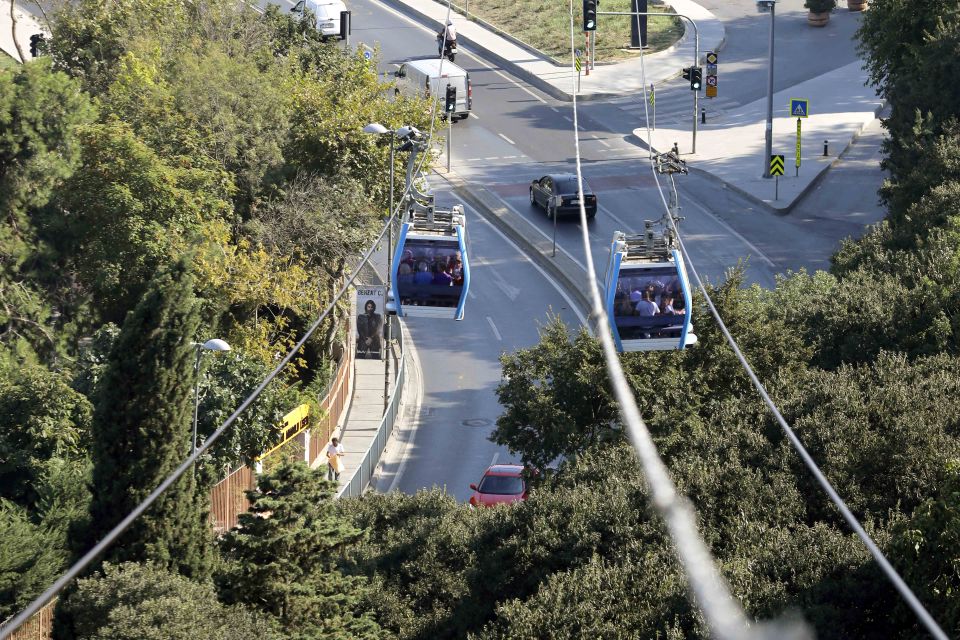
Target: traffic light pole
pixel 696 55
pixel 768 135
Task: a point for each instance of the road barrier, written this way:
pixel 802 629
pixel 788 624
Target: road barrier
pixel 361 477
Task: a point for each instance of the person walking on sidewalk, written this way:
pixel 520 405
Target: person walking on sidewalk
pixel 334 460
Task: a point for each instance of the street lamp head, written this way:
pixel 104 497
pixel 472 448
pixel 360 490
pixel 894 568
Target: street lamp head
pixel 375 127
pixel 216 344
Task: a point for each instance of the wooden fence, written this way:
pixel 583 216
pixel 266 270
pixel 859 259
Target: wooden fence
pixel 228 498
pixel 39 627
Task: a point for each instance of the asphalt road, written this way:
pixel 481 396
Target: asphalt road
pixel 516 134
pixel 443 438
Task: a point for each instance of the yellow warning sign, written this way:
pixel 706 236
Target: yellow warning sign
pixel 776 165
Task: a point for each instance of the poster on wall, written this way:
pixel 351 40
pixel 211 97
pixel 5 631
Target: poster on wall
pixel 371 300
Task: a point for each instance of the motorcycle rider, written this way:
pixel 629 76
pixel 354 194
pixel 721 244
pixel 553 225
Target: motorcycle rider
pixel 447 37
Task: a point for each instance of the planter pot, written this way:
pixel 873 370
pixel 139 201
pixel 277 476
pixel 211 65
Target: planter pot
pixel 857 5
pixel 818 19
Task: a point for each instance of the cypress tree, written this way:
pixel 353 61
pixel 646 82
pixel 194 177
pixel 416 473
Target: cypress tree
pixel 141 433
pixel 282 559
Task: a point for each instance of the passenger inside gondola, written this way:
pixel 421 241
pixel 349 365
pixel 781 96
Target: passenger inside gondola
pixel 645 304
pixel 437 277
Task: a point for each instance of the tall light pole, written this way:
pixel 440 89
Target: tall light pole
pixel 769 5
pixel 216 344
pixel 379 129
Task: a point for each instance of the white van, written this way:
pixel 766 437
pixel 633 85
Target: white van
pixel 326 13
pixel 427 78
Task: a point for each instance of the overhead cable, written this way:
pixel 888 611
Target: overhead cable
pixel 905 592
pixel 723 613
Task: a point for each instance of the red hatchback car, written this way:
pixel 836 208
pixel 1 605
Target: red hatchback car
pixel 500 484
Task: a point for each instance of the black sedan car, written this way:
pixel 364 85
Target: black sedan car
pixel 557 194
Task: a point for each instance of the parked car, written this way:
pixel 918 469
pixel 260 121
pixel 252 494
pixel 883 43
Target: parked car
pixel 500 484
pixel 557 194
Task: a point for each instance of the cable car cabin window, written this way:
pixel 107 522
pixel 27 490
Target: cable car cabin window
pixel 649 303
pixel 430 273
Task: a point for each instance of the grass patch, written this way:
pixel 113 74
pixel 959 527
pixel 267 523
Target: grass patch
pixel 545 24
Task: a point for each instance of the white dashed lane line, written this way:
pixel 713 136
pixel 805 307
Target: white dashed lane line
pixel 506 138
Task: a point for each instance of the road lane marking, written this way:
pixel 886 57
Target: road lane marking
pixel 610 214
pixel 493 460
pixel 474 116
pixel 493 158
pixel 493 328
pixel 506 138
pixel 563 294
pixel 417 405
pixel 734 233
pixel 567 118
pixel 603 142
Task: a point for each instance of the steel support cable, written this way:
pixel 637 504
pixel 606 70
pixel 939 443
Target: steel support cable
pixel 902 588
pixel 722 612
pixel 114 533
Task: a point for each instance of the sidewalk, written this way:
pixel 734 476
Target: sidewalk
pixel 363 417
pixel 731 148
pixel 606 80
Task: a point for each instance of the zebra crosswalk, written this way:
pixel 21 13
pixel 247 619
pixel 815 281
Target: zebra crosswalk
pixel 674 104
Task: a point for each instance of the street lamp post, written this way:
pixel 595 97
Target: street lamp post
pixel 769 5
pixel 216 344
pixel 379 129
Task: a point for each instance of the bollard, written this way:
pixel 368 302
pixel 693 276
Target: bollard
pixel 703 115
pixel 825 148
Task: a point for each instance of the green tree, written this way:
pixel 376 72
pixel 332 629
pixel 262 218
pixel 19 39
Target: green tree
pixel 41 419
pixel 133 601
pixel 40 111
pixel 555 397
pixel 282 558
pixel 926 550
pixel 141 433
pixel 29 563
pixel 125 214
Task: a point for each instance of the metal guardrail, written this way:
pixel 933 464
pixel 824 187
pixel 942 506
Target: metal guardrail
pixel 361 477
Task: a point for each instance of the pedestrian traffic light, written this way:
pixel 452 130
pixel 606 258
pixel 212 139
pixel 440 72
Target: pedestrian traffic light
pixel 35 41
pixel 451 98
pixel 589 15
pixel 696 78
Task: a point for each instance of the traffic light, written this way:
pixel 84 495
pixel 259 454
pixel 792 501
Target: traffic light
pixel 686 73
pixel 589 15
pixel 36 40
pixel 451 98
pixel 696 78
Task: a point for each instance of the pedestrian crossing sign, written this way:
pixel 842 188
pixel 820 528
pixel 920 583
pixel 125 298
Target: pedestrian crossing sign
pixel 799 107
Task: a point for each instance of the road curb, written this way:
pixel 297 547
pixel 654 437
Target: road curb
pixel 518 229
pixel 520 72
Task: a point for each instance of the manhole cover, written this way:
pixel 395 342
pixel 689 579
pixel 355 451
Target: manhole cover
pixel 477 422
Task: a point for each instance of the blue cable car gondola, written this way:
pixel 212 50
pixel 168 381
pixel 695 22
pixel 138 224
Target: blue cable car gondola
pixel 648 293
pixel 431 270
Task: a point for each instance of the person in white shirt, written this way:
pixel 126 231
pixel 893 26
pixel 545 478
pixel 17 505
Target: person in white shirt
pixel 647 307
pixel 334 460
pixel 447 36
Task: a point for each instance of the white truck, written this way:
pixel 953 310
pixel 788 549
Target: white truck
pixel 326 14
pixel 429 78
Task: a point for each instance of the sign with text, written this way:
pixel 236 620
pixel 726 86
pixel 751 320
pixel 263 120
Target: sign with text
pixel 371 300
